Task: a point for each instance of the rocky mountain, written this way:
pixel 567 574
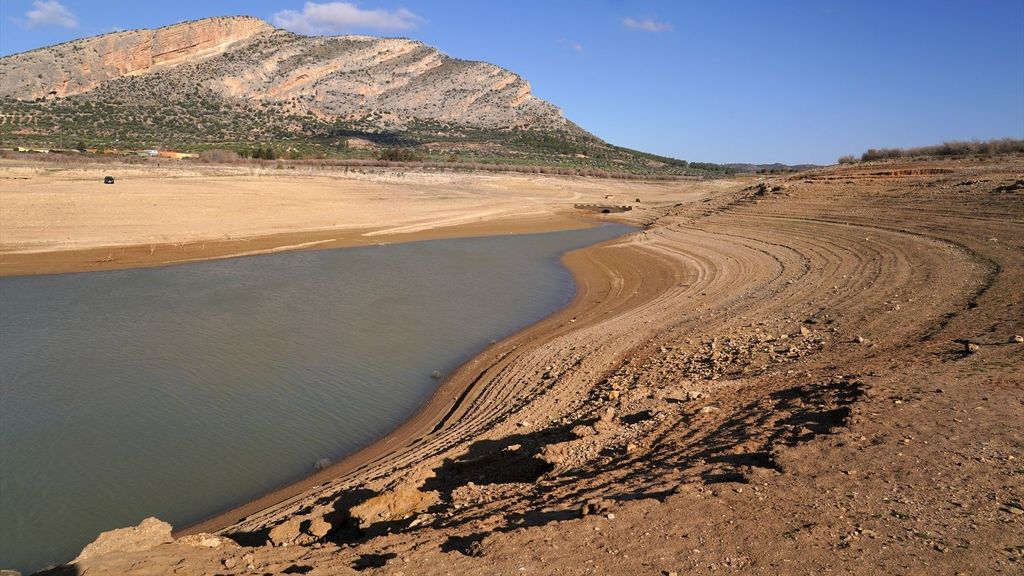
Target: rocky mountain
pixel 244 59
pixel 239 84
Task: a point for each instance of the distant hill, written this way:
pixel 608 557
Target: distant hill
pixel 767 168
pixel 233 81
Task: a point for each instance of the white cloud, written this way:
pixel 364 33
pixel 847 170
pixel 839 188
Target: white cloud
pixel 647 25
pixel 343 17
pixel 577 46
pixel 49 13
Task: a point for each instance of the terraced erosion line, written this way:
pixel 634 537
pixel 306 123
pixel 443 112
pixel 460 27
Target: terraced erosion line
pixel 698 270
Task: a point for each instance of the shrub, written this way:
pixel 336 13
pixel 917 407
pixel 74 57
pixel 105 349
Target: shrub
pixel 954 148
pixel 218 156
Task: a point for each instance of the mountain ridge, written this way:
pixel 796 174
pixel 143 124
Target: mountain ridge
pixel 330 77
pixel 239 84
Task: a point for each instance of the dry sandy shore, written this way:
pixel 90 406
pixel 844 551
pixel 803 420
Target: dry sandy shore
pixel 56 218
pixel 768 380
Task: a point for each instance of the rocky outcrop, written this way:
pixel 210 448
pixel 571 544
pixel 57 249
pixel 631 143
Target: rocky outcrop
pixel 81 65
pixel 149 533
pixel 385 82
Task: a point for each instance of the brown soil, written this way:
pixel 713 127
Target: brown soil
pixel 776 380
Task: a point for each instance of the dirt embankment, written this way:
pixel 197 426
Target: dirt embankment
pixel 823 373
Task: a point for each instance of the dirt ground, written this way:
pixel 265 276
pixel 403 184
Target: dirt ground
pixel 818 373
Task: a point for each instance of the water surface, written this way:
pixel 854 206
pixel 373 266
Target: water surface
pixel 180 391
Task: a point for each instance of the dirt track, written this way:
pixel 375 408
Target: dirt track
pixel 765 382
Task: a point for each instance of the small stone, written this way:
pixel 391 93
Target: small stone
pixel 805 331
pixel 611 516
pixel 971 347
pixel 230 562
pixel 859 339
pixel 1017 339
pixel 613 395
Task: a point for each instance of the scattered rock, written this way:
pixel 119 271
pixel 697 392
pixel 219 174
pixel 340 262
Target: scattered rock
pixel 149 533
pixel 204 540
pixel 582 431
pixel 1017 339
pixel 971 347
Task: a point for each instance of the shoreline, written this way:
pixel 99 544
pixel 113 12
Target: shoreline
pixel 132 256
pixel 454 395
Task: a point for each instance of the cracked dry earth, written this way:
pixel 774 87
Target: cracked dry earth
pixel 817 374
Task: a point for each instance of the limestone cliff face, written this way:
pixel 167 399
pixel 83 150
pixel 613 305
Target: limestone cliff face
pixel 79 66
pixel 391 81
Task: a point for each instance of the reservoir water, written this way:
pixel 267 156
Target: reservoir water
pixel 176 392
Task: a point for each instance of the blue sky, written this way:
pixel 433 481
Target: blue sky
pixel 722 81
